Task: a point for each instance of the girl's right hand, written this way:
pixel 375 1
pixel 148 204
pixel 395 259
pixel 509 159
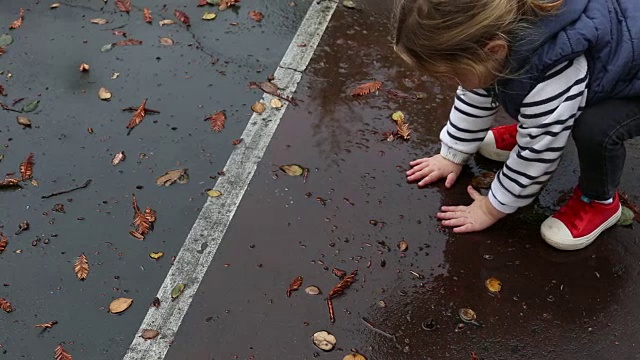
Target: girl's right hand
pixel 432 169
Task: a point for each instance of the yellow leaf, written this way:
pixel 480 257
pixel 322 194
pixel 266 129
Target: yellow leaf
pixel 258 107
pixel 156 255
pixel 104 94
pixel 208 16
pixel 493 285
pixel 275 103
pixel 354 357
pixel 119 305
pixel 166 41
pixel 292 170
pixel 214 193
pixel 398 117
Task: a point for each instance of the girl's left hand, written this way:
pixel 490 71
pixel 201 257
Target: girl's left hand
pixel 475 217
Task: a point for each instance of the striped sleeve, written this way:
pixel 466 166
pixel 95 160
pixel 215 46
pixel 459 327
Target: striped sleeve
pixel 545 122
pixel 469 121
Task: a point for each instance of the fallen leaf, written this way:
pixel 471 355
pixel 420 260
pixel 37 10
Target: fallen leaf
pixel 61 354
pixel 403 245
pixel 217 120
pixel 104 94
pixel 2 53
pixel 128 42
pixel 106 47
pixel 143 222
pixel 339 273
pixel 484 180
pixel 354 356
pixel 119 33
pixel 48 325
pixel 182 17
pixel 467 315
pixel 166 41
pixel 2 91
pixel 99 21
pixel 16 24
pixel 124 5
pixel 256 15
pixel 3 242
pixel 323 340
pixel 119 305
pixel 147 15
pixel 625 201
pixel 202 3
pixel 236 141
pixel 295 285
pixel 275 103
pixel 626 218
pixel 225 4
pixel 31 106
pixel 5 305
pixel 312 290
pixel 156 255
pixel 366 88
pixel 54 6
pixel 350 4
pixel 34 182
pixel 10 182
pixel 209 16
pixel 137 116
pixel 81 267
pixel 398 117
pixel 136 234
pixel 156 302
pixel 59 208
pixel 84 67
pixel 172 176
pixel 402 128
pixel 214 193
pixel 5 40
pixel 90 131
pixel 117 158
pixel 493 285
pixel 149 334
pixel 166 22
pixel 266 86
pixel 24 121
pixel 26 167
pixel 177 290
pixel 258 107
pixel 292 170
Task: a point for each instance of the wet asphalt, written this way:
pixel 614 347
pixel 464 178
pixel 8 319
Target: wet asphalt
pixel 553 305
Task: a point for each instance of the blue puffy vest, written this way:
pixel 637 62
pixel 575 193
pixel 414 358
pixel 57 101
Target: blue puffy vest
pixel 607 32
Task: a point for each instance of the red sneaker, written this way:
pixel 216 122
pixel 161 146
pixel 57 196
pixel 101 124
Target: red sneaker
pixel 499 142
pixel 579 222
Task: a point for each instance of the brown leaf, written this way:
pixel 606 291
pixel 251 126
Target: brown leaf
pixel 124 5
pixel 403 245
pixel 149 334
pixel 143 222
pixel 26 168
pixel 2 53
pixel 236 141
pixel 81 267
pixel 182 17
pixel 165 41
pixel 172 176
pixel 339 273
pixel 136 235
pixel 137 116
pixel 84 67
pixel 403 130
pixel 343 285
pixel 217 120
pixel 484 180
pixel 127 42
pixel 258 107
pixel 256 15
pixel 117 158
pixel 147 16
pixel 2 91
pixel 99 21
pixel 119 305
pixel 61 354
pixel 332 316
pixel 5 305
pixel 24 121
pixel 366 88
pixel 156 302
pixel 16 24
pixel 9 182
pixel 225 4
pixel 3 242
pixel 48 325
pixel 295 285
pixel 203 2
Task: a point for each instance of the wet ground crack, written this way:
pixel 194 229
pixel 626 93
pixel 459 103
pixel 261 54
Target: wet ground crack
pixel 199 45
pixel 85 7
pixel 292 69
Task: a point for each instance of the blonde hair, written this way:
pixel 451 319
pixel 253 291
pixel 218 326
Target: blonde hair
pixel 438 36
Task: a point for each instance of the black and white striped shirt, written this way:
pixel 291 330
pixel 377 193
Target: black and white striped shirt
pixel 545 122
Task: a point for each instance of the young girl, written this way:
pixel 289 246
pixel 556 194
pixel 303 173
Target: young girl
pixel 559 68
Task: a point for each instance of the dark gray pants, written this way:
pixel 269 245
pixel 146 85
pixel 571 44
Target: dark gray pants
pixel 599 133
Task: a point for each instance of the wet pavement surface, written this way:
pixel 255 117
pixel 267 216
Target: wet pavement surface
pixel 350 214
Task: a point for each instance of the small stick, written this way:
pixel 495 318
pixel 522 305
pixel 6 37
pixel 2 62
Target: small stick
pixel 150 111
pixel 370 325
pixel 332 316
pixel 86 183
pixel 5 107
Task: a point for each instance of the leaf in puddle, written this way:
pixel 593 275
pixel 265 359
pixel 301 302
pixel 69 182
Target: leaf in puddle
pixel 366 88
pixel 117 158
pixel 24 121
pixel 147 15
pixel 214 193
pixel 166 22
pixel 30 106
pixel 295 285
pixel 124 5
pixel 106 47
pixel 172 176
pixel 626 218
pixel 5 40
pixel 493 285
pixel 217 120
pixel 177 290
pixel 149 334
pixel 256 15
pixel 166 41
pixel 292 169
pixel 350 4
pixel 81 267
pixel 182 17
pixel 99 21
pixel 258 107
pixel 156 255
pixel 209 16
pixel 119 305
pixel 104 94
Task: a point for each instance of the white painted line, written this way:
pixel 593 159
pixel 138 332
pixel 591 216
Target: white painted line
pixel 190 266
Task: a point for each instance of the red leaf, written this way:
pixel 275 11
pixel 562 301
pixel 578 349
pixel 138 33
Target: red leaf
pixel 1 50
pixel 124 5
pixel 128 42
pixel 5 305
pixel 61 354
pixel 16 24
pixel 367 88
pixel 295 285
pixel 137 116
pixel 3 242
pixel 217 120
pixel 343 285
pixel 225 4
pixel 236 141
pixel 203 3
pixel 147 16
pixel 26 168
pixel 255 15
pixel 182 17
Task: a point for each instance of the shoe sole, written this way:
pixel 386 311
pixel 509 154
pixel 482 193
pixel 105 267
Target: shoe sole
pixel 568 244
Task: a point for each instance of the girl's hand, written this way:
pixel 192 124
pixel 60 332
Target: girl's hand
pixel 475 217
pixel 429 170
